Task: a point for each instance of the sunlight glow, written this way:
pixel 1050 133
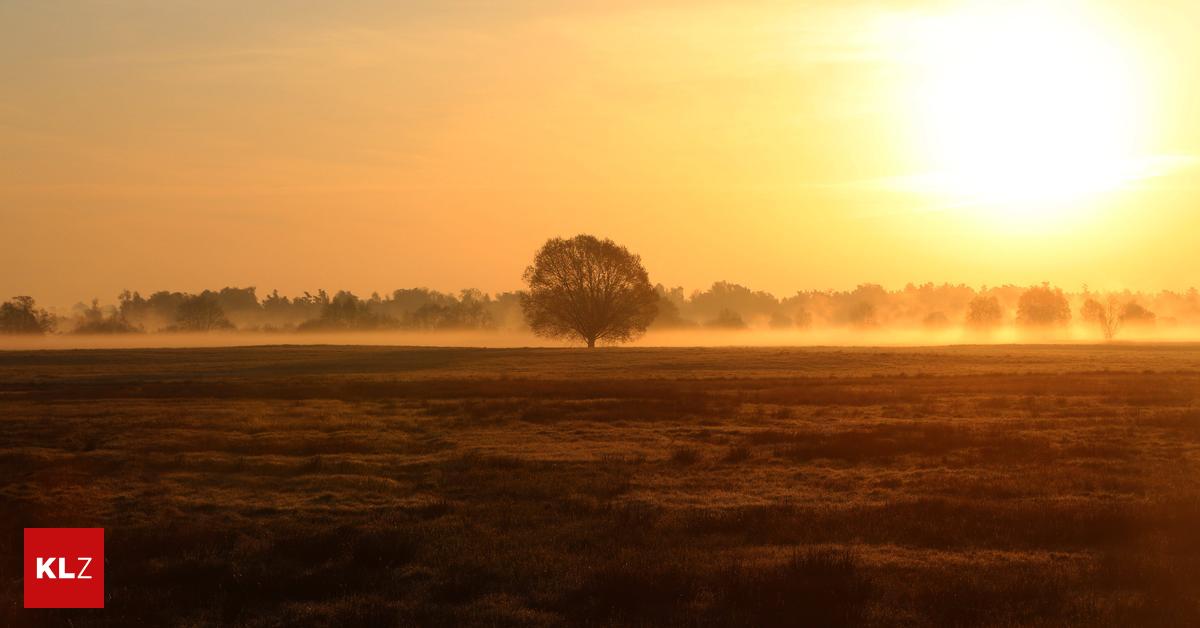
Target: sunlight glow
pixel 1028 114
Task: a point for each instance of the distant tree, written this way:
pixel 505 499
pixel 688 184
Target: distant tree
pixel 428 316
pixel 1136 315
pixel 276 307
pixel 984 312
pixel 1112 315
pixel 724 295
pixel 345 311
pixel 158 310
pixel 857 314
pixel 310 306
pixel 21 316
pixel 1106 316
pixel 320 299
pixel 238 299
pixel 131 305
pixel 588 288
pixel 727 319
pixel 780 320
pixel 935 320
pixel 408 300
pixel 469 311
pixel 1043 306
pixel 922 301
pixel 504 310
pixel 200 312
pixel 669 315
pixel 95 320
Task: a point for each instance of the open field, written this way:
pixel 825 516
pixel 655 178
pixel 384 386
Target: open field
pixel 348 486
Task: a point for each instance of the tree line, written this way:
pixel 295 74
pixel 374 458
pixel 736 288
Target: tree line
pixel 597 291
pixel 928 306
pixel 241 309
pixel 722 306
pixel 593 290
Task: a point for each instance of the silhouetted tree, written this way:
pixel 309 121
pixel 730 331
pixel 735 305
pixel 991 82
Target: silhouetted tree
pixel 345 311
pixel 727 319
pixel 780 320
pixel 1106 316
pixel 159 309
pixel 408 300
pixel 469 311
pixel 588 288
pixel 857 314
pixel 723 295
pixel 278 310
pixel 504 310
pixel 984 312
pixel 95 320
pixel 237 299
pixel 310 306
pixel 669 315
pixel 21 316
pixel 917 302
pixel 1134 314
pixel 200 312
pixel 130 304
pixel 1043 306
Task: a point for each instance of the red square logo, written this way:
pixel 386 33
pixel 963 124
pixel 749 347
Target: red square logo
pixel 64 568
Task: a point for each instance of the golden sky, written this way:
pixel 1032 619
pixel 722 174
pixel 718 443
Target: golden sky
pixel 368 145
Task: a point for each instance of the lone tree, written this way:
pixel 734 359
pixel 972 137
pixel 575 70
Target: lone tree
pixel 1105 316
pixel 590 289
pixel 1110 317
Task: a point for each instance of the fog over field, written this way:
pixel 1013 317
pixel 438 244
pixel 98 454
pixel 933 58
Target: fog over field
pixel 1077 334
pixel 725 314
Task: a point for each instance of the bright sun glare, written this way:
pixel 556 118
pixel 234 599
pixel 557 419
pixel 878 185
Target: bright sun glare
pixel 1028 113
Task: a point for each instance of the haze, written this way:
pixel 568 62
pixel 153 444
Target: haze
pixel 368 145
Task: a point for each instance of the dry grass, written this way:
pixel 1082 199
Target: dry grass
pixel 372 486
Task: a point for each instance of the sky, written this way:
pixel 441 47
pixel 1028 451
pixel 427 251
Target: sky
pixel 370 145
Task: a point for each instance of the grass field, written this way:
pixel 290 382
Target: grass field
pixel 359 486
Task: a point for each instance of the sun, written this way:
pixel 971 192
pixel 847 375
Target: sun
pixel 1027 113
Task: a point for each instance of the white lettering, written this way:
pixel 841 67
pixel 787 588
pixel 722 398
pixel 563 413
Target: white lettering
pixel 43 568
pixel 63 574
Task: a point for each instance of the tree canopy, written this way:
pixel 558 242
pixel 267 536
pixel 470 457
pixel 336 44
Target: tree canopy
pixel 22 316
pixel 587 288
pixel 1043 306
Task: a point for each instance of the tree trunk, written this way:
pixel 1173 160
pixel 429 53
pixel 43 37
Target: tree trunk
pixel 591 343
